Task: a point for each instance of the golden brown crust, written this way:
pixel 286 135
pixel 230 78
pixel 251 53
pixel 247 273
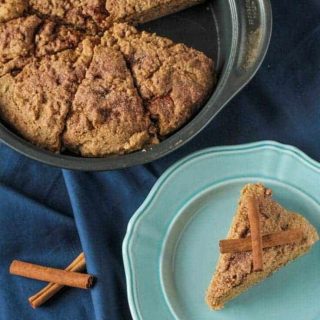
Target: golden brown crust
pixel 24 38
pixel 141 11
pixel 94 15
pixel 11 9
pixel 52 38
pixel 107 113
pixel 234 273
pixel 173 80
pixel 17 42
pixel 87 14
pixel 37 100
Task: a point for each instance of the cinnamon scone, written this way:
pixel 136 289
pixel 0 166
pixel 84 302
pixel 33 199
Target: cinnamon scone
pixel 234 272
pixel 17 42
pixel 173 79
pixel 107 115
pixel 94 15
pixel 140 11
pixel 24 38
pixel 37 100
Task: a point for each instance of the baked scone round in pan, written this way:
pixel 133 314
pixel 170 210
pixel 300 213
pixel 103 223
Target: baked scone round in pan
pixel 73 79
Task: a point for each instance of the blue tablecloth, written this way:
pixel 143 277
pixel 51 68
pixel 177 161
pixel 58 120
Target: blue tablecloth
pixel 48 216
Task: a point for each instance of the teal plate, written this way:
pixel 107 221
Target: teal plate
pixel 171 246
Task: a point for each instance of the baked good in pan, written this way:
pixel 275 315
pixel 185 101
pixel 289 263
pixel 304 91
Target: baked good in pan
pixel 71 78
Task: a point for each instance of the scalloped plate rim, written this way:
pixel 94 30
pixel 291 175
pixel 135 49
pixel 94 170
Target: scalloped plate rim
pixel 156 189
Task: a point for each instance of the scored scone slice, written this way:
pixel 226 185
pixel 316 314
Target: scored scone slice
pixel 173 79
pixel 37 100
pixel 234 272
pixel 140 11
pixel 107 115
pixel 24 38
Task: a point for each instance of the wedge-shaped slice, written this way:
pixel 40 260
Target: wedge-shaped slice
pixel 234 272
pixel 173 80
pixel 24 38
pixel 140 11
pixel 37 100
pixel 107 113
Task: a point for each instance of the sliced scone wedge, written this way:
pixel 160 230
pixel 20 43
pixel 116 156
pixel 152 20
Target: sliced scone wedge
pixel 234 272
pixel 24 38
pixel 173 80
pixel 107 114
pixel 36 101
pixel 141 11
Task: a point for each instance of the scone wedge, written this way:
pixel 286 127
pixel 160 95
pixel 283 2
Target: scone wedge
pixel 173 80
pixel 234 272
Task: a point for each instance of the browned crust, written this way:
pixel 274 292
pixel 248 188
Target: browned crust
pixel 37 100
pixel 11 9
pixel 24 38
pixel 173 80
pixel 142 11
pixel 17 42
pixel 85 14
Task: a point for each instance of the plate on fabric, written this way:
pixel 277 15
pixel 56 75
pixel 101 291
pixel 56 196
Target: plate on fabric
pixel 171 246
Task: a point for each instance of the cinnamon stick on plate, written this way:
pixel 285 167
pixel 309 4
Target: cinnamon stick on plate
pixel 62 277
pixel 51 289
pixel 268 240
pixel 255 229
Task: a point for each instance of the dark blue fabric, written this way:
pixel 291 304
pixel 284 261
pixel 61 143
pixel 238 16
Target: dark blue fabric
pixel 48 216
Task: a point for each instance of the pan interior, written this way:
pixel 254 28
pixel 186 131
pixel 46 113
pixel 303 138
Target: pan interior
pixel 206 27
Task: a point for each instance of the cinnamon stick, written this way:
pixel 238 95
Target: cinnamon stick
pixel 62 277
pixel 268 241
pixel 51 289
pixel 256 237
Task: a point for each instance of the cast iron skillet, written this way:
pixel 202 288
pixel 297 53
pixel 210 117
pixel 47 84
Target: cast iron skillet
pixel 235 33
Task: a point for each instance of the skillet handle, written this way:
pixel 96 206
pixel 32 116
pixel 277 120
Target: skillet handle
pixel 254 32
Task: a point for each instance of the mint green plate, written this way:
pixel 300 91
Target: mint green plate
pixel 171 246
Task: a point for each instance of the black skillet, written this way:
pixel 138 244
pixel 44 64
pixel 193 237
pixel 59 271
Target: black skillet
pixel 235 33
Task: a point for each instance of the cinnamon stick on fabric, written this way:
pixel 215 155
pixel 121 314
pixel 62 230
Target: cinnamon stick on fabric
pixel 255 229
pixel 51 289
pixel 268 240
pixel 62 277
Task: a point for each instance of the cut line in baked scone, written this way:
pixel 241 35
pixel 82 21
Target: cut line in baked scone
pixel 36 102
pixel 234 272
pixel 173 79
